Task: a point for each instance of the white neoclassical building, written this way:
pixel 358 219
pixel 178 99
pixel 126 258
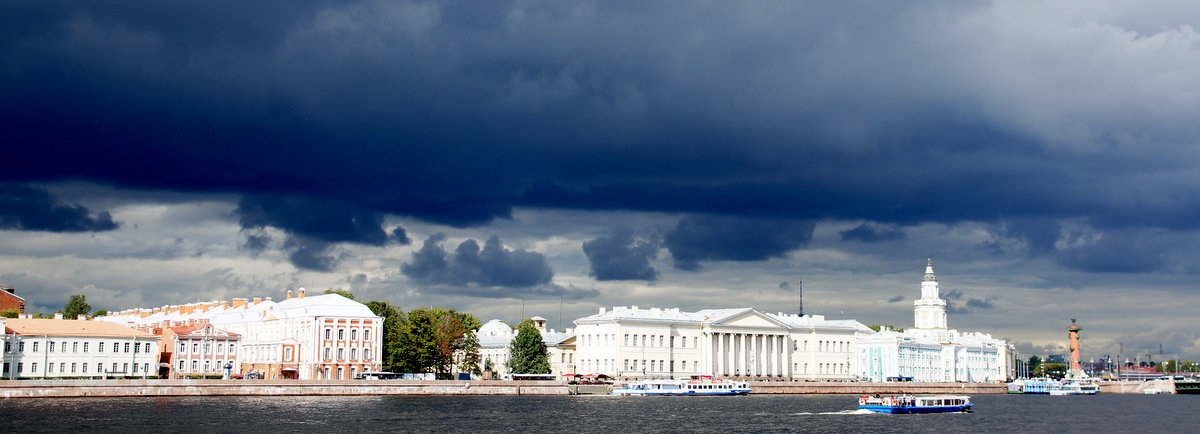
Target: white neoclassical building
pixel 630 342
pixel 931 351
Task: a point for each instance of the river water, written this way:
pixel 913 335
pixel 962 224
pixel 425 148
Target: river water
pixel 753 413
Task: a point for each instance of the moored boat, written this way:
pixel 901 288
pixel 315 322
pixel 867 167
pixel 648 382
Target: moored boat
pixel 696 386
pixel 906 404
pixel 1075 386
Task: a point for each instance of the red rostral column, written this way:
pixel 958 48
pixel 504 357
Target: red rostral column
pixel 1075 356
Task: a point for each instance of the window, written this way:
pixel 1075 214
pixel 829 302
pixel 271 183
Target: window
pixel 366 354
pixel 230 348
pixel 353 354
pixel 195 348
pixel 114 369
pixel 35 350
pixel 208 365
pixel 627 339
pixel 146 368
pixel 50 347
pixel 72 368
pixel 147 347
pixel 341 336
pixel 341 356
pixel 84 367
pixel 100 347
pixel 74 349
pixel 287 353
pixel 353 334
pixel 50 368
pixel 181 366
pixel 127 347
pixel 328 332
pixel 327 353
pixel 124 367
pixel 682 342
pixel 85 345
pixel 33 367
pixel 21 346
pixel 367 335
pixel 683 365
pixel 220 348
pixel 195 365
pixel 137 347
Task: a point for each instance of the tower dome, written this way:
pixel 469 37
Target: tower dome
pixel 929 312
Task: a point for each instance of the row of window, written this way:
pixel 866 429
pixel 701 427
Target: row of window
pixel 209 366
pixel 341 334
pixel 77 368
pixel 62 346
pixel 660 341
pixel 341 354
pixel 208 347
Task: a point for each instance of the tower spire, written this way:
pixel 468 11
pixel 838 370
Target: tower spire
pixel 929 312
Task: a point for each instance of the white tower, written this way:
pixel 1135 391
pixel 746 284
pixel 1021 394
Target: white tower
pixel 929 312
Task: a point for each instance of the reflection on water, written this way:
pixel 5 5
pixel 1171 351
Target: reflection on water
pixel 821 413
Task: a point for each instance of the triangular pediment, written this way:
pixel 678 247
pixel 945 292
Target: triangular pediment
pixel 750 319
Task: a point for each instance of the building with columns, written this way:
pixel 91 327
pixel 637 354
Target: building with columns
pixel 931 351
pixel 629 342
pixel 319 337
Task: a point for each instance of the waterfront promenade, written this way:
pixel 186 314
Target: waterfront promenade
pixel 80 388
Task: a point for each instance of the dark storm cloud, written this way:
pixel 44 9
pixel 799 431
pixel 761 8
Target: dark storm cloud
pixel 32 209
pixel 619 256
pixel 896 299
pixel 456 112
pixel 980 303
pixel 716 238
pixel 870 233
pixel 313 226
pixel 493 266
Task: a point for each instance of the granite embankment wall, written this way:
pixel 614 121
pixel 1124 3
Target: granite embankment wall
pixel 1137 387
pixel 80 388
pixel 880 388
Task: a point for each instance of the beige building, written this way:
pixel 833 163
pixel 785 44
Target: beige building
pixel 58 348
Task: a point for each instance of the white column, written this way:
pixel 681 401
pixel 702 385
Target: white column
pixel 745 355
pixel 720 354
pixel 754 358
pixel 779 341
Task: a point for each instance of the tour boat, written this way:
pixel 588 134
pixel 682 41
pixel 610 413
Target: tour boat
pixel 683 387
pixel 904 404
pixel 1075 386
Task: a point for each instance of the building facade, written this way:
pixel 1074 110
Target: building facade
pixel 495 347
pixel 57 348
pixel 931 351
pixel 10 301
pixel 320 337
pixel 628 342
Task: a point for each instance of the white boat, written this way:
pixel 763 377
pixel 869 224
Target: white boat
pixel 1075 386
pixel 698 386
pixel 911 404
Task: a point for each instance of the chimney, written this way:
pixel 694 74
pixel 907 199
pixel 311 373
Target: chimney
pixel 602 310
pixel 302 292
pixel 239 302
pixel 57 315
pixel 289 294
pixel 257 300
pixel 224 305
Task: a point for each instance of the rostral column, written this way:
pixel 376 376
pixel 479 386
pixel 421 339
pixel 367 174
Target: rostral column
pixel 1075 356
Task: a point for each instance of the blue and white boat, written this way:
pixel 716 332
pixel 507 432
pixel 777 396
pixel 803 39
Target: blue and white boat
pixel 906 404
pixel 683 387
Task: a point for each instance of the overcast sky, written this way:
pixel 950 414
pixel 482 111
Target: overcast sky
pixel 520 158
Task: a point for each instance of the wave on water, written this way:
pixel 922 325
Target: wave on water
pixel 855 411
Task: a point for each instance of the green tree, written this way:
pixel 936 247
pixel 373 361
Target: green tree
pixel 76 306
pixel 11 313
pixel 346 294
pixel 877 327
pixel 393 323
pixel 1034 362
pixel 528 353
pixel 1052 370
pixel 101 312
pixel 418 347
